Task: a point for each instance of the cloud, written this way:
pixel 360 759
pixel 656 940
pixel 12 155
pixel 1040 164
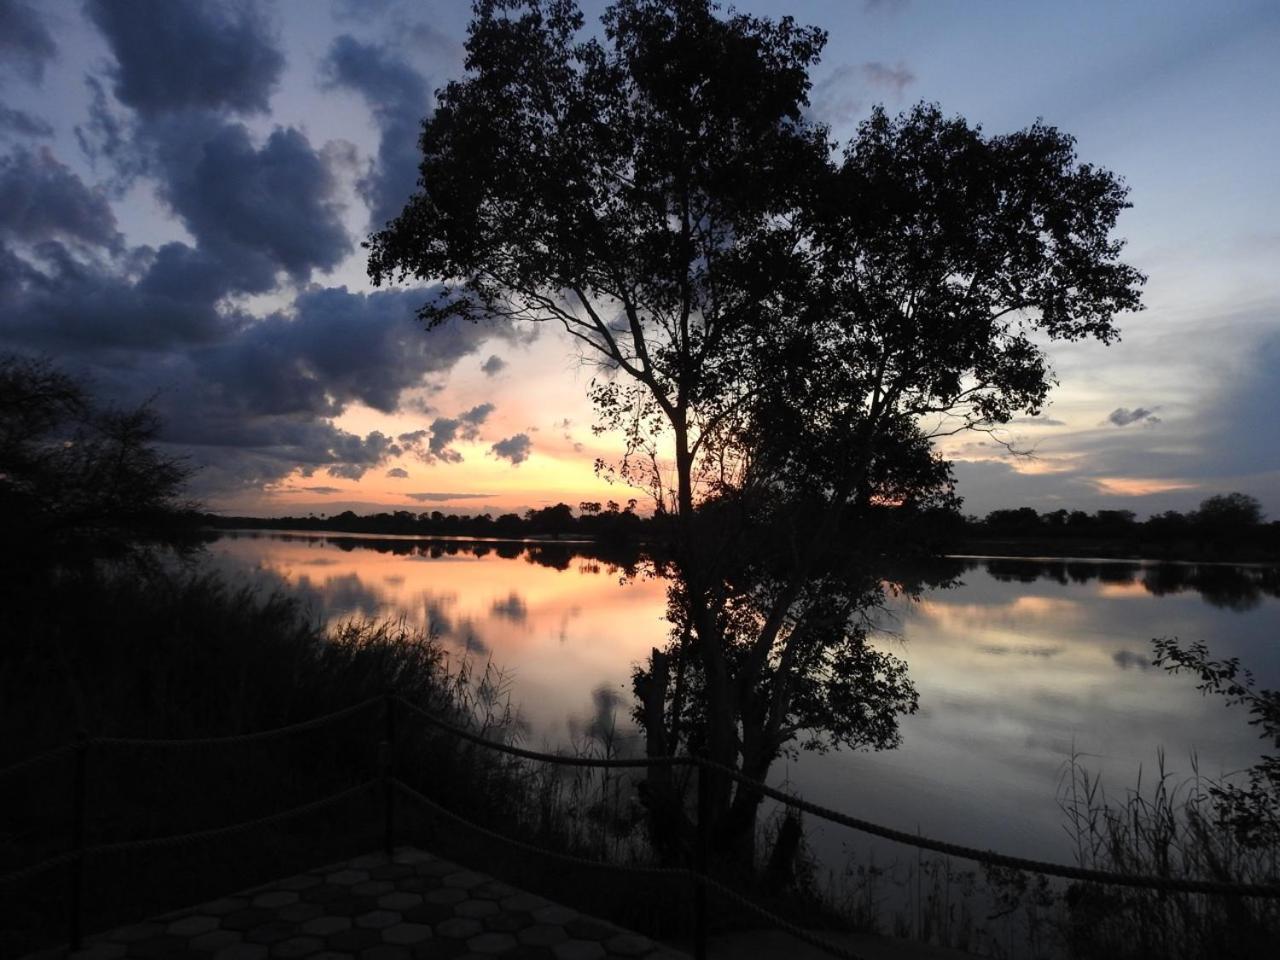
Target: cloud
pixel 180 54
pixel 896 78
pixel 493 366
pixel 26 44
pixel 1124 659
pixel 443 497
pixel 14 122
pixel 1122 416
pixel 399 97
pixel 53 301
pixel 516 449
pixel 41 199
pixel 259 209
pixel 322 490
pixel 436 445
pixel 511 608
pixel 399 473
pixel 477 414
pixel 842 96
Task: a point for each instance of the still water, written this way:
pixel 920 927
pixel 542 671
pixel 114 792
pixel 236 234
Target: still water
pixel 1017 665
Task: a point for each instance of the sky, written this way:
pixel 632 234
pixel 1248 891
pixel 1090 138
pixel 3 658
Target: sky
pixel 184 188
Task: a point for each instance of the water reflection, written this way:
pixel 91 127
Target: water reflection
pixel 1018 664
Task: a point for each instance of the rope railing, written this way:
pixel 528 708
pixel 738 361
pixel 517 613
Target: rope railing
pixel 392 785
pixel 948 848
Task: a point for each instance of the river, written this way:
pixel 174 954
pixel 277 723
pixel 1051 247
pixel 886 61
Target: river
pixel 1018 665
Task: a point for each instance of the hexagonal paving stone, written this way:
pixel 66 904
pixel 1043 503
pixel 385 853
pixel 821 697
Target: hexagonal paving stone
pixel 492 943
pixel 275 898
pixel 466 879
pixel 476 909
pixel 386 951
pixel 323 926
pixel 543 935
pixel 578 950
pixel 215 940
pixel 494 890
pixel 300 912
pixel 242 951
pixel 445 895
pixel 378 919
pixel 332 955
pixel 272 932
pixel 458 928
pixel 508 921
pixel 399 900
pixel 407 934
pixel 372 888
pixel 412 856
pixel 435 868
pixel 192 926
pixel 524 901
pixel 297 947
pixel 353 940
pixel 367 860
pixel 390 871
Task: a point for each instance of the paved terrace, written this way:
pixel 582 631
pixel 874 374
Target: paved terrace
pixel 412 907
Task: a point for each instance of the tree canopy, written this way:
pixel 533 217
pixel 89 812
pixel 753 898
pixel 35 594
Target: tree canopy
pixel 783 327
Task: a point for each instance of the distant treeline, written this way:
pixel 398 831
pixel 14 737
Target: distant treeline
pixel 1227 526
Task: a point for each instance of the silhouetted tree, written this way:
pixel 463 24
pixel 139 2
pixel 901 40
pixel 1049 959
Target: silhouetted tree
pixel 79 481
pixel 1229 513
pixel 780 334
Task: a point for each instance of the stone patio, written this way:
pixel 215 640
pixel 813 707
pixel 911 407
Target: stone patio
pixel 412 907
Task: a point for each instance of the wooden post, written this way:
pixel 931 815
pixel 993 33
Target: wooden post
pixel 387 762
pixel 77 838
pixel 702 857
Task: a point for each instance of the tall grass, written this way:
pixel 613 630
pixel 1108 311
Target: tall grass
pixel 181 654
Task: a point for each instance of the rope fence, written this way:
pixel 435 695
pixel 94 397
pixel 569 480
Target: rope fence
pixel 391 786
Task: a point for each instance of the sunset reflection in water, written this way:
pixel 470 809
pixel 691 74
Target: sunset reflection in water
pixel 1016 666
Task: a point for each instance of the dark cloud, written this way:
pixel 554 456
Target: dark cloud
pixel 26 44
pixel 493 366
pixel 41 199
pixel 181 54
pixel 260 210
pixel 399 97
pixel 399 473
pixel 322 490
pixel 1122 416
pixel 477 414
pixel 56 302
pixel 436 445
pixel 14 122
pixel 516 449
pixel 443 497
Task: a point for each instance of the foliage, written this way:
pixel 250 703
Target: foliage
pixel 77 480
pixel 780 334
pixel 1252 811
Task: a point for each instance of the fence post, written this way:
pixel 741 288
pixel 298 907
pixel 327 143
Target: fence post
pixel 700 865
pixel 386 761
pixel 77 837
